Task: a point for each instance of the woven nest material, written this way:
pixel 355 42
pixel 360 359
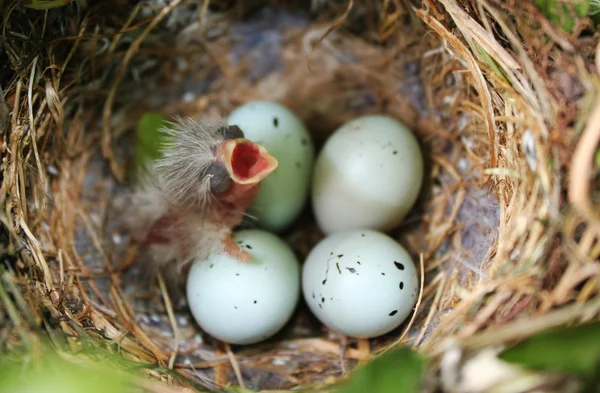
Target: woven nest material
pixel 505 230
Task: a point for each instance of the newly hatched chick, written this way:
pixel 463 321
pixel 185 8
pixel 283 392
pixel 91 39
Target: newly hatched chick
pixel 188 202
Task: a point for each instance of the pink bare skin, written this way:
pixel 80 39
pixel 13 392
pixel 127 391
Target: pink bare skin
pixel 251 164
pixel 234 203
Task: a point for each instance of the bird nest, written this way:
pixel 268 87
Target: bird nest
pixel 505 231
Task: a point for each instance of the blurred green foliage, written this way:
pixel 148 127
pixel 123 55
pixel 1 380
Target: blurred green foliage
pixel 595 11
pixel 150 138
pixel 45 4
pixel 560 13
pixel 396 371
pixel 49 373
pixel 574 350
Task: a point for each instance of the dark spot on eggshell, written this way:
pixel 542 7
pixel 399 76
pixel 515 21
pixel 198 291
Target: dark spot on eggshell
pixel 237 274
pixel 338 267
pixel 249 247
pixel 358 262
pixel 320 306
pixel 340 255
pixel 275 121
pixel 351 269
pixel 393 313
pixel 363 235
pixel 382 273
pixel 235 307
pixel 313 295
pixel 322 300
pixel 255 301
pixel 399 265
pixel 331 253
pixel 401 285
pixel 240 242
pixel 212 265
pixel 395 152
pixel 324 281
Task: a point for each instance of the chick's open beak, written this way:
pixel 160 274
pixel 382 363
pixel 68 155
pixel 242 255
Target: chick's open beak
pixel 246 162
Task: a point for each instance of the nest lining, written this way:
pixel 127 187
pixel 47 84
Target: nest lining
pixel 491 227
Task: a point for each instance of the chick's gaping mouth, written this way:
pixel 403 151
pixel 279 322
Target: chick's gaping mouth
pixel 247 162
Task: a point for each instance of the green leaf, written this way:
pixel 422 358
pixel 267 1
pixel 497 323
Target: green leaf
pixel 393 372
pixel 52 374
pixel 150 138
pixel 561 14
pixel 491 62
pixel 46 4
pixel 595 11
pixel 574 350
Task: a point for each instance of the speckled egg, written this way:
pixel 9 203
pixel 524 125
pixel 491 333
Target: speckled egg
pixel 360 283
pixel 284 192
pixel 368 175
pixel 244 303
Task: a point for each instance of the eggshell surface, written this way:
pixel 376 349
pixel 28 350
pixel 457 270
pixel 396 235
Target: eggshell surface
pixel 284 192
pixel 360 283
pixel 244 303
pixel 368 175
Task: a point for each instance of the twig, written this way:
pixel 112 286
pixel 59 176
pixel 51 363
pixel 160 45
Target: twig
pixel 337 23
pixel 528 326
pixel 33 134
pixel 482 89
pixel 172 320
pixel 235 365
pixel 107 111
pixel 581 164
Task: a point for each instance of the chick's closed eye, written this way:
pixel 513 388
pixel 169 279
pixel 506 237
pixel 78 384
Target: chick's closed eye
pixel 220 181
pixel 232 132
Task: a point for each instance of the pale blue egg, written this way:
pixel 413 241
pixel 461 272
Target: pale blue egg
pixel 361 283
pixel 284 192
pixel 244 303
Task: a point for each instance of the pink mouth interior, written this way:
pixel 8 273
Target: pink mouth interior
pixel 247 161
